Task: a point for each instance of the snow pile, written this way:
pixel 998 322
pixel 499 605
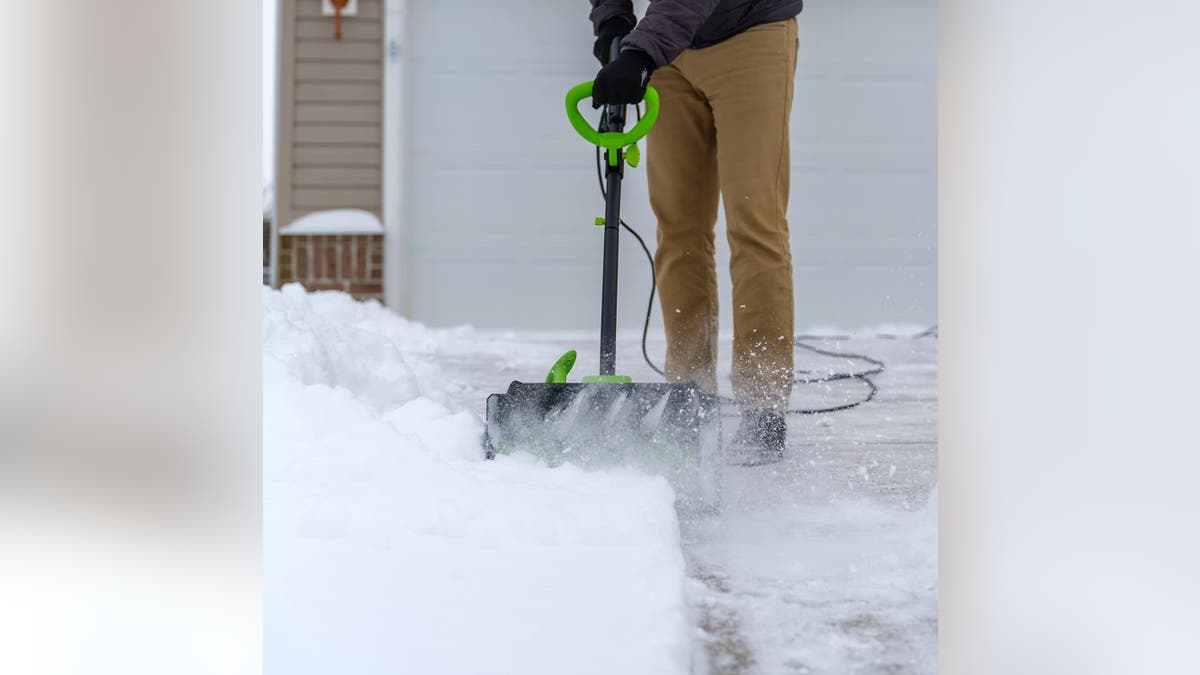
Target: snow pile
pixel 335 221
pixel 391 546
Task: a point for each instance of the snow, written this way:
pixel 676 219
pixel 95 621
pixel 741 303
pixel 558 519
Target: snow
pixel 390 546
pixel 335 221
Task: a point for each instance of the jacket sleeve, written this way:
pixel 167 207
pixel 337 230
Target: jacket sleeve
pixel 668 27
pixel 603 10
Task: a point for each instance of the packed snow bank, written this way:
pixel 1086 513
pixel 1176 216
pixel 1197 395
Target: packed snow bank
pixel 390 546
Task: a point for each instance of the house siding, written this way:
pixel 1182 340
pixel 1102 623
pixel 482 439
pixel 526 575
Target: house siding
pixel 330 151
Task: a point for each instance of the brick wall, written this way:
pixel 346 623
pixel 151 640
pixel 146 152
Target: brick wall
pixel 344 262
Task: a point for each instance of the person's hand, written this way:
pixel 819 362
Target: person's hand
pixel 624 80
pixel 610 30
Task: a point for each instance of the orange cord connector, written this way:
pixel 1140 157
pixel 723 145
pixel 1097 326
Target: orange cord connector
pixel 338 6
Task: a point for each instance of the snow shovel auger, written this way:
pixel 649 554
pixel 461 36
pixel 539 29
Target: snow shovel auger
pixel 607 420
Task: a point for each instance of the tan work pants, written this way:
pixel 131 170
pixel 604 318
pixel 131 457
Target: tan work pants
pixel 723 130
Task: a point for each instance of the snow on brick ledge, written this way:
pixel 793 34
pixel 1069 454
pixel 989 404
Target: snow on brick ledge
pixel 337 221
pixel 352 263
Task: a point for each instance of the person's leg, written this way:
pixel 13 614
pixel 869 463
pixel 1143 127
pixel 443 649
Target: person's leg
pixel 748 83
pixel 682 173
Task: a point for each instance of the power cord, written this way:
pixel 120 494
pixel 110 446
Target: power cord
pixel 804 376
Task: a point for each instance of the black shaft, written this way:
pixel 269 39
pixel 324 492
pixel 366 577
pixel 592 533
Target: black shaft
pixel 608 301
pixel 612 225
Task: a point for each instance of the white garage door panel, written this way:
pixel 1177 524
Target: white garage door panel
pixel 500 29
pixel 464 104
pixel 499 293
pixel 879 115
pixel 875 203
pixel 896 293
pixel 474 212
pixel 538 291
pixel 502 192
pixel 501 199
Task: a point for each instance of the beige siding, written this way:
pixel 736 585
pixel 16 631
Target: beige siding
pixel 342 133
pixel 342 176
pixel 316 199
pixel 341 155
pixel 319 71
pixel 339 92
pixel 354 29
pixel 323 50
pixel 330 110
pixel 366 113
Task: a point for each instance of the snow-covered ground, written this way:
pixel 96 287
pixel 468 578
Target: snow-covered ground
pixel 390 545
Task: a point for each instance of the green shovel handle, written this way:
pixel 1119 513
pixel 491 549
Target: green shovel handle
pixel 609 140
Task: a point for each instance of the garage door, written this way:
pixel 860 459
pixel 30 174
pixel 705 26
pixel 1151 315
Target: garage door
pixel 502 194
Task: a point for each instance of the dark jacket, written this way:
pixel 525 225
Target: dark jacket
pixel 671 26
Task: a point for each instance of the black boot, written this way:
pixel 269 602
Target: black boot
pixel 759 439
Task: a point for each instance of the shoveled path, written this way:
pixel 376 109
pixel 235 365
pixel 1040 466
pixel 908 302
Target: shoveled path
pixel 825 562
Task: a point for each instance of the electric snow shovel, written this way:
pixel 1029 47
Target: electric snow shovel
pixel 607 420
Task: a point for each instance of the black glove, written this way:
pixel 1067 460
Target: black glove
pixel 609 30
pixel 624 80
